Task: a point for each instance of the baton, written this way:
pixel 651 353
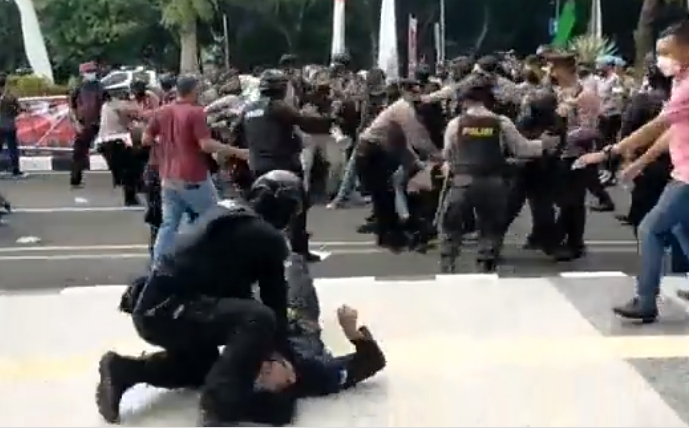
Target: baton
pixel 441 201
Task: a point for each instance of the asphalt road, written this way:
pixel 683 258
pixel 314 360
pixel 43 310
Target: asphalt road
pixel 85 237
pixel 544 350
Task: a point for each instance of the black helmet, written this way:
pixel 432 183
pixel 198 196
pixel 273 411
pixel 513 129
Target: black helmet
pixel 138 86
pixel 278 196
pixel 273 82
pixel 167 82
pixel 342 59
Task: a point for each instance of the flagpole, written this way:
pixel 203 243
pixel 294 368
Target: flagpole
pixel 442 32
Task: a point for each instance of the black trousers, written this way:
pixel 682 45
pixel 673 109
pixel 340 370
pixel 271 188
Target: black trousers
pixel 570 224
pixel 375 168
pixel 487 198
pixel 190 332
pixel 80 153
pixel 532 183
pixel 8 139
pixel 126 166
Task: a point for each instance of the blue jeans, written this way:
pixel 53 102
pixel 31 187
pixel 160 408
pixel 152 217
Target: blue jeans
pixel 399 179
pixel 179 198
pixel 669 216
pixel 349 180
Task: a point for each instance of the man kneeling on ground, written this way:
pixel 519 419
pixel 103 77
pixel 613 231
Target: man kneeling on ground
pixel 306 368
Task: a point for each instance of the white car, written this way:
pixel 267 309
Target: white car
pixel 122 79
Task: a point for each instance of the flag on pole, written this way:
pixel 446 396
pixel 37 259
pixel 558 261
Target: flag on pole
pixel 596 20
pixel 412 49
pixel 388 57
pixel 338 39
pixel 34 43
pixel 565 24
pixel 438 43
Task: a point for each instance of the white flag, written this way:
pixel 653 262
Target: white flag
pixel 338 40
pixel 596 20
pixel 412 50
pixel 34 44
pixel 388 59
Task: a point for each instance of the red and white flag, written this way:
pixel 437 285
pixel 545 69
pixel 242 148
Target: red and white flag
pixel 412 48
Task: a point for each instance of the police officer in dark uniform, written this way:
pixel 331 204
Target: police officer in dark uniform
pixel 267 127
pixel 533 181
pixel 200 297
pixel 477 144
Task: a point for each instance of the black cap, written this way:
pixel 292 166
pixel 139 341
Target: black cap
pixel 287 60
pixel 186 84
pixel 477 88
pixel 488 63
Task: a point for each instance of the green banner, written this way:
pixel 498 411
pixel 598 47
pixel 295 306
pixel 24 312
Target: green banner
pixel 565 24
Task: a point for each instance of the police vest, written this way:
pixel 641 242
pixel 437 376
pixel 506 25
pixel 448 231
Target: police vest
pixel 272 143
pixel 479 150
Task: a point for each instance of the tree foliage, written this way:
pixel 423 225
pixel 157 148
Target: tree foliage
pixel 155 31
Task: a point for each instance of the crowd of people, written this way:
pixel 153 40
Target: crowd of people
pixel 441 155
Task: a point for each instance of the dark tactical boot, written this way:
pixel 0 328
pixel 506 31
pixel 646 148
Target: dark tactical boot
pixel 117 375
pixel 487 266
pixel 447 265
pixel 635 310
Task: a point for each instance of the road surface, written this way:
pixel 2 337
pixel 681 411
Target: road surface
pixel 535 345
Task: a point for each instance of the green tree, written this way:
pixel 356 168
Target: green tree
pixel 12 53
pixel 110 31
pixel 183 17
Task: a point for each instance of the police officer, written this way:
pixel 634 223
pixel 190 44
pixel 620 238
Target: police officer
pixel 475 152
pixel 199 297
pixel 267 126
pixel 533 181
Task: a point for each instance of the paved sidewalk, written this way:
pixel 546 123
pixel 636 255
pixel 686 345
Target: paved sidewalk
pixel 463 351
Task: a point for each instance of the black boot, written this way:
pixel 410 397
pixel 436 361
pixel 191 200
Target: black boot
pixel 447 264
pixel 487 266
pixel 117 375
pixel 636 311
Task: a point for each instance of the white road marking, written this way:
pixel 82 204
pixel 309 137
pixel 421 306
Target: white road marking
pixel 142 255
pixel 81 200
pixel 592 274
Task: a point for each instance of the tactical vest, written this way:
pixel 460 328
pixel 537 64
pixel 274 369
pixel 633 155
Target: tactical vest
pixel 479 150
pixel 192 254
pixel 272 143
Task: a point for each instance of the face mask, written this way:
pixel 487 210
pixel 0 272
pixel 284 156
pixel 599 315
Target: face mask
pixel 89 76
pixel 667 66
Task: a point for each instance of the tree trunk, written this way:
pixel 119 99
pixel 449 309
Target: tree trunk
pixel 189 49
pixel 643 36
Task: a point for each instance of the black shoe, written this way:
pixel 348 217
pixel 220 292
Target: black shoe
pixel 623 219
pixel 395 242
pixel 603 206
pixel 634 311
pixel 7 207
pixel 567 253
pixel 367 228
pixel 312 257
pixel 487 266
pixel 111 386
pixel 447 265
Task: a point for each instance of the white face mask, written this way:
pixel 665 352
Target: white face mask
pixel 89 76
pixel 667 66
